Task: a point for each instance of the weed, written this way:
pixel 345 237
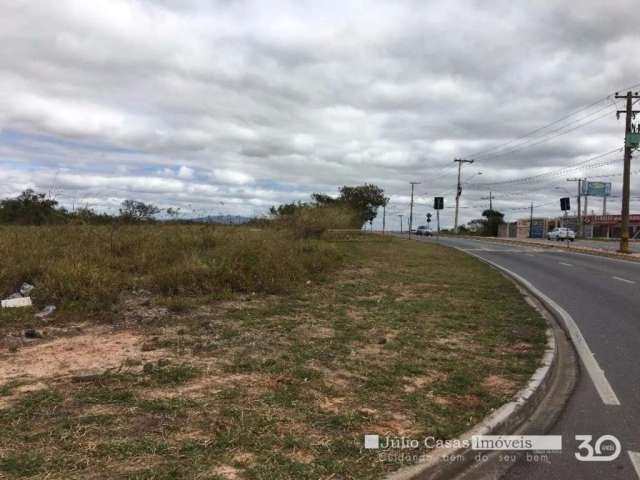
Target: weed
pixel 21 464
pixel 168 374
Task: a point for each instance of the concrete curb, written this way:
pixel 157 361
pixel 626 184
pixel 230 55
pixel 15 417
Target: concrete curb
pixel 533 410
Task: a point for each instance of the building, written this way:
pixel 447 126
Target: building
pixel 608 226
pixel 595 226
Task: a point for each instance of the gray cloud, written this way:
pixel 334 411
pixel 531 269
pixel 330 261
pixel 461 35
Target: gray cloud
pixel 240 104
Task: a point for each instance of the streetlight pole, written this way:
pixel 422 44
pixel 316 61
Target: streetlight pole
pixel 459 190
pixel 579 180
pixel 413 184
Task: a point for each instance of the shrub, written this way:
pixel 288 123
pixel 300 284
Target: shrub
pixel 312 221
pixel 88 267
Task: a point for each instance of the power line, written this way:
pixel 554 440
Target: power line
pixel 550 136
pixel 545 175
pixel 539 129
pixel 555 122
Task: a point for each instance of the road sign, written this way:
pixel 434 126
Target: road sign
pixel 565 204
pixel 632 139
pixel 596 189
pixel 438 203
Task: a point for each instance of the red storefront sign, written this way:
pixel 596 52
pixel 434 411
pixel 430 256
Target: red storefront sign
pixel 611 219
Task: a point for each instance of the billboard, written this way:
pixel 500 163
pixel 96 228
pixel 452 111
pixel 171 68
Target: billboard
pixel 596 189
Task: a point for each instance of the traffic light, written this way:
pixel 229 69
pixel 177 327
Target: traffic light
pixel 438 203
pixel 565 204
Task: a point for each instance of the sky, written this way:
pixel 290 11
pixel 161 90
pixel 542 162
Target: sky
pixel 229 107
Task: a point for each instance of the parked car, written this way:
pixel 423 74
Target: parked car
pixel 561 233
pixel 424 230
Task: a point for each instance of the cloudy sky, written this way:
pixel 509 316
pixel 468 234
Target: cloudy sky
pixel 228 107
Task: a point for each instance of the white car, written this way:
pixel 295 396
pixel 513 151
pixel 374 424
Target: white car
pixel 424 230
pixel 561 233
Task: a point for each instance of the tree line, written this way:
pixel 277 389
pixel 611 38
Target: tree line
pixel 32 208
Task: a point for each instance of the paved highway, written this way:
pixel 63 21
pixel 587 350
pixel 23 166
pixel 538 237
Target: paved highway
pixel 602 295
pixel 609 245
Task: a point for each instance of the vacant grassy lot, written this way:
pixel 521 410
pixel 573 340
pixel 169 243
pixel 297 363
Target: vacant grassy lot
pixel 196 376
pixel 88 267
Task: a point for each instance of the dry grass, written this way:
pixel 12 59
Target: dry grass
pixel 88 267
pixel 271 385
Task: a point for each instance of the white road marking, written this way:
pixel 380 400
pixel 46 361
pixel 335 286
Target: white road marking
pixel 497 250
pixel 607 395
pixel 623 280
pixel 565 264
pixel 635 461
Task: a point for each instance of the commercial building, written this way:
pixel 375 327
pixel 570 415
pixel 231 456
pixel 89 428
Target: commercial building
pixel 594 226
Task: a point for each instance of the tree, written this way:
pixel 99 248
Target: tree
pixel 494 219
pixel 31 208
pixel 135 211
pixel 323 199
pixel 359 204
pixel 364 200
pixel 287 208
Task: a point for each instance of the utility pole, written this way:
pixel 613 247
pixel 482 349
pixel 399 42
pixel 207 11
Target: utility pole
pixel 400 215
pixel 459 190
pixel 626 174
pixel 413 184
pixel 579 180
pixel 490 198
pixel 604 205
pixel 586 199
pixel 384 213
pixel 531 221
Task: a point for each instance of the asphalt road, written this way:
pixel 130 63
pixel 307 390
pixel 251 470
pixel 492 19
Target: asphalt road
pixel 602 295
pixel 609 245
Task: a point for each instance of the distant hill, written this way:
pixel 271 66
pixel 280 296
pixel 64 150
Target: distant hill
pixel 226 219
